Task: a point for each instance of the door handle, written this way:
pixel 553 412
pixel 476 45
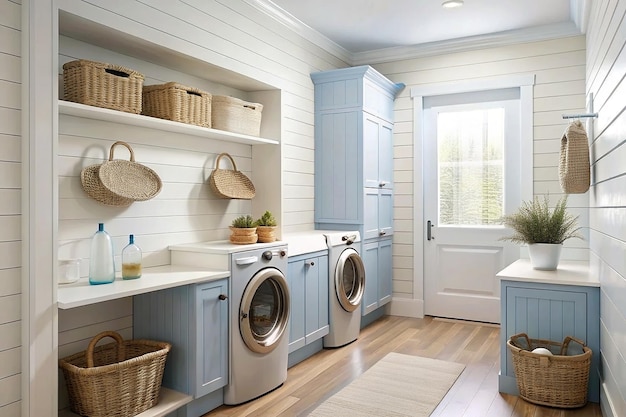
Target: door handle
pixel 429 233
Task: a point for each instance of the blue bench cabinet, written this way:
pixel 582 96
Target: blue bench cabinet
pixel 549 305
pixel 194 319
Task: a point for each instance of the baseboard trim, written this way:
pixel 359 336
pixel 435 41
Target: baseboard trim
pixel 406 307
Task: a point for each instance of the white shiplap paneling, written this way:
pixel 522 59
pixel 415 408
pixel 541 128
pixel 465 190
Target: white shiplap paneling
pixel 606 44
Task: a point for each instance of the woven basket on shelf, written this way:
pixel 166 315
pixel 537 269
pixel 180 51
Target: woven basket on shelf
pixel 173 101
pixel 122 378
pixel 103 85
pixel 235 115
pixel 558 380
pixel 230 183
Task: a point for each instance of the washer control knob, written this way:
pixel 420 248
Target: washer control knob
pixel 267 255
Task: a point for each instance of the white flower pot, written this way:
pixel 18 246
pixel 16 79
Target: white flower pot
pixel 545 256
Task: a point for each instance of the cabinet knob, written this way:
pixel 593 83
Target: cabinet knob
pixel 310 263
pixel 382 233
pixel 382 184
pixel 222 297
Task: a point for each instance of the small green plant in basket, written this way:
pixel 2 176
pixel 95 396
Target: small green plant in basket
pixel 266 227
pixel 244 222
pixel 243 230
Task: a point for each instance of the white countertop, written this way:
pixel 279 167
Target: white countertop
pixel 567 273
pixel 304 242
pixel 222 246
pixel 152 279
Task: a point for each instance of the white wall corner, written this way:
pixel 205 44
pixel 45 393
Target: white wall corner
pixel 579 13
pixel 405 307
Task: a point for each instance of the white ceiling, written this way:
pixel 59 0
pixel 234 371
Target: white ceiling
pixel 362 26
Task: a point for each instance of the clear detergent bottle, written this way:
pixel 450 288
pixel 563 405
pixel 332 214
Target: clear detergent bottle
pixel 101 261
pixel 131 260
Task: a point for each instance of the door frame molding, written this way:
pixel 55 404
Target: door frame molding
pixel 525 83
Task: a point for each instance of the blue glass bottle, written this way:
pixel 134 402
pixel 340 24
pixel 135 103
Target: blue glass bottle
pixel 101 261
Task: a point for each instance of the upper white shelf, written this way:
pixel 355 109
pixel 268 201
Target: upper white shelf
pixel 97 113
pixel 82 293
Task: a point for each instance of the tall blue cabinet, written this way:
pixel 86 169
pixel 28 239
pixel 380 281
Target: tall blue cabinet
pixel 354 167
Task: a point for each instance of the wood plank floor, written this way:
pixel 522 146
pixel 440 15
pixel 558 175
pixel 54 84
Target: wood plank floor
pixel 475 393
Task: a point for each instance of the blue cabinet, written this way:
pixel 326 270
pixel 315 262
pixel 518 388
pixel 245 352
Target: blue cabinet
pixel 549 311
pixel 377 258
pixel 194 319
pixel 307 276
pixel 354 166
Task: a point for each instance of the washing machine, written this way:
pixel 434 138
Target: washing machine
pixel 346 287
pixel 258 312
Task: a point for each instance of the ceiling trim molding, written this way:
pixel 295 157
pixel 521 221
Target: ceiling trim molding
pixel 295 25
pixel 534 34
pixel 577 26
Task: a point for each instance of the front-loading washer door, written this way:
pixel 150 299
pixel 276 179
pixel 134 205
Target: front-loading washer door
pixel 264 310
pixel 349 279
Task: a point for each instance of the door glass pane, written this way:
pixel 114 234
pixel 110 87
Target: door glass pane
pixel 470 149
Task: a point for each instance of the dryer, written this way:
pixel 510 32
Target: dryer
pixel 346 287
pixel 258 312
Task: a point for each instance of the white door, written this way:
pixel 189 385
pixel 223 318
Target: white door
pixel 471 178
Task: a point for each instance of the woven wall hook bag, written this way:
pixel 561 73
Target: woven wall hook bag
pixel 574 167
pixel 230 183
pixel 129 179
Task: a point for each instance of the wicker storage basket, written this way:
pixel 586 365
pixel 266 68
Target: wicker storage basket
pixel 103 85
pixel 230 183
pixel 173 101
pixel 560 380
pixel 235 115
pixel 117 379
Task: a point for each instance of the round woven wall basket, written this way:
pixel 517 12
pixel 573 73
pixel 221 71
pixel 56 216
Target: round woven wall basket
pixel 92 185
pixel 230 183
pixel 129 179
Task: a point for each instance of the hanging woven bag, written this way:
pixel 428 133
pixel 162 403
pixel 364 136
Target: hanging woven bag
pixel 574 167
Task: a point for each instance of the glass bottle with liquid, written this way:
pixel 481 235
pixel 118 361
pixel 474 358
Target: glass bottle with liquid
pixel 101 261
pixel 131 260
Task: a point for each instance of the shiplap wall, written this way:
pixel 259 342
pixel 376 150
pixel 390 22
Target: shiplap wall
pixel 10 208
pixel 606 57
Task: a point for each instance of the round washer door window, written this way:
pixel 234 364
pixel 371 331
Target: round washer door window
pixel 350 279
pixel 264 312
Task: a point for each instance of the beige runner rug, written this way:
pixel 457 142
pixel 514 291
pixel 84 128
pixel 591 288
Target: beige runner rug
pixel 396 386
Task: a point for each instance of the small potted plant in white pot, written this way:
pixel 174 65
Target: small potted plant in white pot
pixel 243 230
pixel 543 230
pixel 266 227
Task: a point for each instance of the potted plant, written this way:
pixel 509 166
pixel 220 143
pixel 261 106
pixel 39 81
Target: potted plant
pixel 243 230
pixel 266 226
pixel 543 230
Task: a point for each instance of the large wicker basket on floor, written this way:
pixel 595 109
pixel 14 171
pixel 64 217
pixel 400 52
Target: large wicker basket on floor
pixel 558 380
pixel 173 101
pixel 103 85
pixel 117 379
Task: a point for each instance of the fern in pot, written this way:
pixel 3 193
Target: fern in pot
pixel 266 227
pixel 243 230
pixel 543 230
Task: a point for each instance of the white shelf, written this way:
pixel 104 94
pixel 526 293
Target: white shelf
pixel 107 115
pixel 169 401
pixel 82 293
